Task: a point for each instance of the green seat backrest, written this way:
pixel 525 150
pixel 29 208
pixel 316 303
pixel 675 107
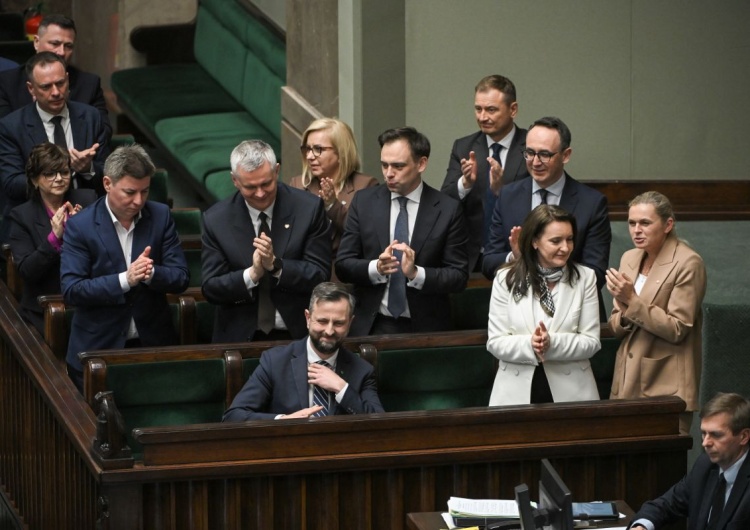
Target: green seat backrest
pixel 188 221
pixel 603 365
pixel 248 366
pixel 205 313
pixel 435 378
pixel 168 393
pixel 157 190
pixel 470 308
pixel 193 258
pixel 726 345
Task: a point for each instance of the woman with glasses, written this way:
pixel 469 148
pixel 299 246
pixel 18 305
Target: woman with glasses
pixel 38 225
pixel 657 293
pixel 330 169
pixel 544 317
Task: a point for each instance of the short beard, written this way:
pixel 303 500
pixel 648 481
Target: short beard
pixel 324 348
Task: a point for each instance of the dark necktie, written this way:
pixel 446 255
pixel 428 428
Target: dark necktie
pixel 717 504
pixel 321 397
pixel 490 198
pixel 59 134
pixel 397 288
pixel 266 312
pixel 543 196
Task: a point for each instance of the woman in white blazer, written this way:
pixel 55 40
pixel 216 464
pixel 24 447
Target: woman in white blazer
pixel 544 316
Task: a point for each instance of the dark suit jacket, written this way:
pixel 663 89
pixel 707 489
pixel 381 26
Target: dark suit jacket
pixel 439 243
pixel 37 260
pixel 84 88
pixel 588 206
pixel 514 169
pixel 279 385
pixel 691 498
pixel 23 129
pixel 301 238
pixel 90 264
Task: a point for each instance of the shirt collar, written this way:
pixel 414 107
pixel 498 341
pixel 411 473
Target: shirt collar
pixel 313 357
pixel 254 212
pixel 46 116
pixel 115 220
pixel 730 474
pixel 505 141
pixel 554 189
pixel 413 196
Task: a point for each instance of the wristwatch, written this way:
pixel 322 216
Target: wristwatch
pixel 276 266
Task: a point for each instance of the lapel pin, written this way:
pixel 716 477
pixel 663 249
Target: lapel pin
pixel 286 226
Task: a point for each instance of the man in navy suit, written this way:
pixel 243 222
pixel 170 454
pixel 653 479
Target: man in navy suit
pixel 404 244
pixel 474 175
pixel 80 131
pixel 546 153
pixel 284 384
pixel 57 34
pixel 715 494
pixel 120 258
pixel 264 250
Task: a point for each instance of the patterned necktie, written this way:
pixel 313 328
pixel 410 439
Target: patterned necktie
pixel 543 196
pixel 266 311
pixel 397 287
pixel 717 504
pixel 321 397
pixel 490 198
pixel 59 134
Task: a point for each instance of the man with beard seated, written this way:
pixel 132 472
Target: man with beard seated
pixel 314 376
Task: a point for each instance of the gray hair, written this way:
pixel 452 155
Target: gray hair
pixel 129 160
pixel 331 292
pixel 251 154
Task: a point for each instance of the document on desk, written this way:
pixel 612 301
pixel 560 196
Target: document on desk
pixel 483 507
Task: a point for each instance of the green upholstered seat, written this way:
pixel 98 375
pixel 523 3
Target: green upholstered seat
pixel 189 221
pixel 168 393
pixel 435 378
pixel 470 308
pixel 152 93
pixel 726 345
pixel 157 190
pixel 193 258
pixel 248 366
pixel 219 184
pixel 205 314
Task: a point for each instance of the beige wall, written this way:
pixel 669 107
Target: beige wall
pixel 649 89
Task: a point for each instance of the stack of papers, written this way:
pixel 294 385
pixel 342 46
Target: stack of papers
pixel 459 507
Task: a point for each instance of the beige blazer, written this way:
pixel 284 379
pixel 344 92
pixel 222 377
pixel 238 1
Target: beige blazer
pixel 574 339
pixel 660 354
pixel 337 213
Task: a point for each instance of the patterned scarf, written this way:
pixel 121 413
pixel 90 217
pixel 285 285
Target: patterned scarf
pixel 545 297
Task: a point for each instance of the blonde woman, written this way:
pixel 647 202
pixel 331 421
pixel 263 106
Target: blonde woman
pixel 330 169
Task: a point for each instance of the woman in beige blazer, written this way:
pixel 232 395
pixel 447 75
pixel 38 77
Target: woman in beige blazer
pixel 657 294
pixel 330 169
pixel 544 317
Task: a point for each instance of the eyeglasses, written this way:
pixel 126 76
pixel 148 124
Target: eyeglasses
pixel 317 150
pixel 544 156
pixel 52 175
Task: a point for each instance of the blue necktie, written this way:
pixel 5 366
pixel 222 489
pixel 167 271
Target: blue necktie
pixel 490 198
pixel 543 196
pixel 397 288
pixel 321 397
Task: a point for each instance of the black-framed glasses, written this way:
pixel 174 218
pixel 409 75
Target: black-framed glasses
pixel 52 175
pixel 317 150
pixel 544 156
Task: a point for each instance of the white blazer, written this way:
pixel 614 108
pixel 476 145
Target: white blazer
pixel 574 339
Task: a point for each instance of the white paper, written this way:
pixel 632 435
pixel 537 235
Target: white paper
pixel 483 507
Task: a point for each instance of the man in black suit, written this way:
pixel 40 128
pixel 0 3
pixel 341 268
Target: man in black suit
pixel 74 126
pixel 547 151
pixel 482 162
pixel 57 34
pixel 314 376
pixel 404 244
pixel 264 250
pixel 715 494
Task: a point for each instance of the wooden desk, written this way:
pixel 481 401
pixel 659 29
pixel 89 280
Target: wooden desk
pixel 434 521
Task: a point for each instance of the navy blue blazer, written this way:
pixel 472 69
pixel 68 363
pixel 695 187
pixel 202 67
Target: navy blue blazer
pixel 514 169
pixel 692 496
pixel 279 385
pixel 439 242
pixel 301 237
pixel 90 264
pixel 588 206
pixel 38 262
pixel 23 129
pixel 83 88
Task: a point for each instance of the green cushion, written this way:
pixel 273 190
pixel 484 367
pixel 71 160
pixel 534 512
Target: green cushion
pixel 193 258
pixel 435 378
pixel 219 184
pixel 261 94
pixel 189 221
pixel 205 313
pixel 470 308
pixel 204 142
pixel 248 366
pixel 153 93
pixel 157 190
